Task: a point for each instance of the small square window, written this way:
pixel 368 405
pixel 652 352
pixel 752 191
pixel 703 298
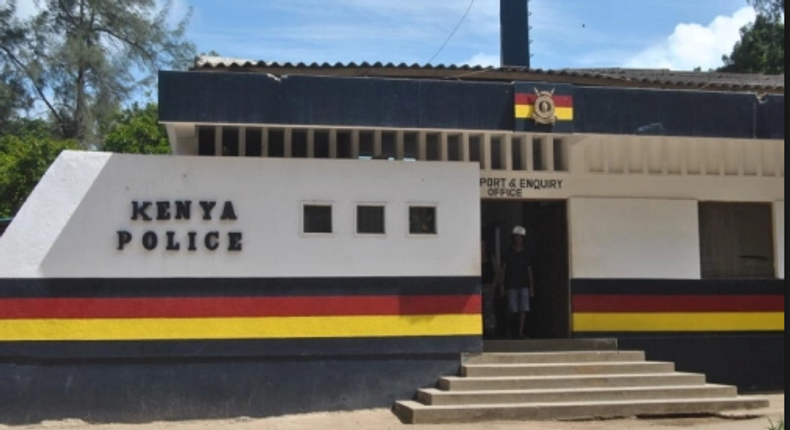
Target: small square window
pixel 422 220
pixel 317 218
pixel 370 219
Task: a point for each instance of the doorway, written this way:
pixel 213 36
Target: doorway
pixel 546 223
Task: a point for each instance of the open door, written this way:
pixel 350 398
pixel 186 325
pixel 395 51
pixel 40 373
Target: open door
pixel 547 238
pixel 550 317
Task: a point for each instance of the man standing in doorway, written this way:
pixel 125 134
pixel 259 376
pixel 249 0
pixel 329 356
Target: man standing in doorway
pixel 517 270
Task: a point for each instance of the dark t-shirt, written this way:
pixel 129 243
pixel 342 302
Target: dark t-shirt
pixel 517 270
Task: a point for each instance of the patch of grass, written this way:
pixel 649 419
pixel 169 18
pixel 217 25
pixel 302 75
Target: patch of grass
pixel 779 425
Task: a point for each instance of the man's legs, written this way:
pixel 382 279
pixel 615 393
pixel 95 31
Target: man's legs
pixel 522 316
pixel 518 304
pixel 523 308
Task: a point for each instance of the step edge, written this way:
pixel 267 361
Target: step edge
pixel 756 402
pixel 567 377
pixel 440 392
pixel 575 364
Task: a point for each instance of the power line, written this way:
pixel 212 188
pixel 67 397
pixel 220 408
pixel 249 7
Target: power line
pixel 452 33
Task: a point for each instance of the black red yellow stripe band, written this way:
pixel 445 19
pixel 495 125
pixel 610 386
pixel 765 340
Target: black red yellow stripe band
pixel 677 306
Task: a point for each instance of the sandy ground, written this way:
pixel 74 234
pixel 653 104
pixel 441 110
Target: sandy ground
pixel 383 419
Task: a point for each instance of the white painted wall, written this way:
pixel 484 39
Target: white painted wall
pixel 779 238
pixel 68 226
pixel 634 238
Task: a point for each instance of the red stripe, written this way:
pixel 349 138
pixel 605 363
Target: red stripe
pixel 529 99
pixel 237 306
pixel 678 303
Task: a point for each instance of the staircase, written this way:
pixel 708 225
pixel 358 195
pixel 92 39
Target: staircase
pixel 568 385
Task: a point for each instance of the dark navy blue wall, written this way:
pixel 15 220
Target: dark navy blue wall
pixel 667 113
pixel 753 362
pixel 153 390
pixel 771 118
pixel 257 98
pixel 254 98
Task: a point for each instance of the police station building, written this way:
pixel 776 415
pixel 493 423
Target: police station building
pixel 313 242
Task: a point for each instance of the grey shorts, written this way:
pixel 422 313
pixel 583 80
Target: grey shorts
pixel 518 300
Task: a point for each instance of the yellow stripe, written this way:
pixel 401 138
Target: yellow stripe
pixel 687 321
pixel 562 113
pixel 238 328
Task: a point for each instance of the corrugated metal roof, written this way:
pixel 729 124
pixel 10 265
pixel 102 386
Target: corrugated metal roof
pixel 621 77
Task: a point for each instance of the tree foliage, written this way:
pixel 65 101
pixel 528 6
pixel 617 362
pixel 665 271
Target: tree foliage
pixel 13 96
pixel 762 45
pixel 29 146
pixel 137 131
pixel 24 157
pixel 774 9
pixel 81 61
pixel 83 58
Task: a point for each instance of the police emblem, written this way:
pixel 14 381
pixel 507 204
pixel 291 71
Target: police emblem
pixel 543 112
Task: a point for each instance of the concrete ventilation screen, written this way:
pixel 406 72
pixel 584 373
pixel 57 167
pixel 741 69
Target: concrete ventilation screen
pixel 422 220
pixel 317 218
pixel 736 240
pixel 370 219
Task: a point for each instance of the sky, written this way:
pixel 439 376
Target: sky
pixel 673 34
pixel 667 34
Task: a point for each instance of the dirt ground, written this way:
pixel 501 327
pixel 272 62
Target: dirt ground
pixel 383 419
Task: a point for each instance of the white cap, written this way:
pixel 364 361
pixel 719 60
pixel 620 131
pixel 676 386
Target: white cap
pixel 519 230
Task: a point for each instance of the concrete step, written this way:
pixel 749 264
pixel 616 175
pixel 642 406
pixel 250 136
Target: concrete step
pixel 458 383
pixel 416 413
pixel 593 368
pixel 433 396
pixel 549 345
pixel 555 357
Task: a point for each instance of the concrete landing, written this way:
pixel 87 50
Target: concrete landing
pixel 549 345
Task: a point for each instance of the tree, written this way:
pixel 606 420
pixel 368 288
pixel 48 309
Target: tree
pixel 13 96
pixel 775 9
pixel 137 131
pixel 762 45
pixel 84 58
pixel 23 161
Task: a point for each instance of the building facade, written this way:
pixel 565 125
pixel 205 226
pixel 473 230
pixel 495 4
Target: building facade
pixel 313 241
pixel 654 200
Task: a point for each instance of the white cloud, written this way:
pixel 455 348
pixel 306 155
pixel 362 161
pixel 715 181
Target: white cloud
pixel 693 45
pixel 483 59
